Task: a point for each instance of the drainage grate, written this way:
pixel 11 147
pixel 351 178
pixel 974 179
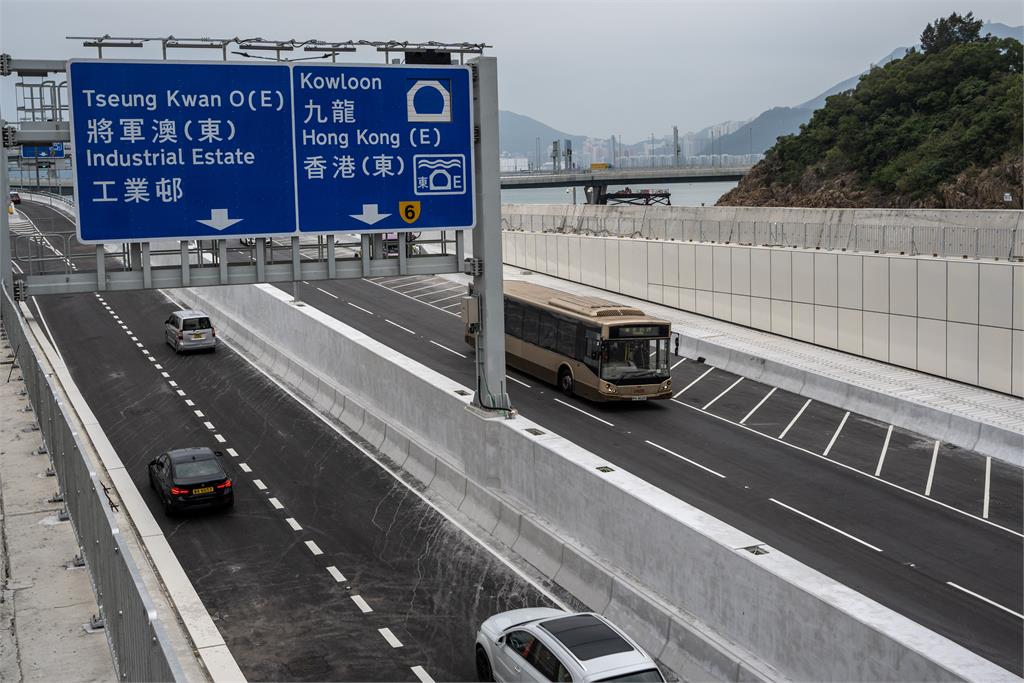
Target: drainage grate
pixel 756 550
pixel 605 469
pixel 462 392
pixel 534 431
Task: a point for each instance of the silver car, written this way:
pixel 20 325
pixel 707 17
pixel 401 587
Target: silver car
pixel 544 644
pixel 189 331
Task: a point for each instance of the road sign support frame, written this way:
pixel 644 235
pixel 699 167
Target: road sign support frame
pixel 491 392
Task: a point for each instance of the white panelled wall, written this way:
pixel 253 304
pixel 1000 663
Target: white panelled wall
pixel 954 318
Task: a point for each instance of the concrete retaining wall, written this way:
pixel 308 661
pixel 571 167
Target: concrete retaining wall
pixel 677 579
pixel 963 320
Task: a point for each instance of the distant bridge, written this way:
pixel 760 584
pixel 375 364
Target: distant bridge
pixel 597 181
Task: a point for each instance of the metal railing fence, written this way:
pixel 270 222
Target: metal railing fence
pixel 137 638
pixel 952 240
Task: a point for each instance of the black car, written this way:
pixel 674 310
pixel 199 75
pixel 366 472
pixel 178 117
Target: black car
pixel 190 478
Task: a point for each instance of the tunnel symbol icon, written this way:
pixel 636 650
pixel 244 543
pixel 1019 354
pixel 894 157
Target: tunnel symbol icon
pixel 444 116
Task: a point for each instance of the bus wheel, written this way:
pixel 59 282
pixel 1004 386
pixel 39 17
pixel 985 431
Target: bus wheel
pixel 565 382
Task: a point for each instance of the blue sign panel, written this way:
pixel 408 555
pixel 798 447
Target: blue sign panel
pixel 51 151
pixel 166 150
pixel 383 147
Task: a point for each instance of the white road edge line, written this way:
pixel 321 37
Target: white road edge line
pixel 712 401
pixel 359 307
pixel 695 464
pixel 856 471
pixel 361 604
pixel 314 548
pixel 832 441
pixel 795 418
pixel 390 637
pixel 422 674
pixel 988 486
pixel 580 410
pixel 328 293
pixel 392 322
pixel 446 348
pixel 984 599
pixel 693 382
pixel 759 404
pixel 885 447
pixel 931 469
pixel 826 525
pixel 335 574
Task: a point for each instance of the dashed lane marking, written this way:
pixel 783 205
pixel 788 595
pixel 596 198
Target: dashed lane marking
pixel 232 452
pixel 422 674
pixel 244 467
pixel 988 486
pixel 885 448
pixel 172 383
pixel 158 366
pixel 314 548
pixel 931 469
pixel 209 425
pixel 276 503
pixel 826 525
pixel 759 404
pixel 295 526
pixel 832 441
pixel 693 382
pixel 360 603
pixel 795 418
pixel 199 413
pixel 390 637
pixel 335 574
pixel 165 375
pixel 695 464
pixel 220 439
pixel 189 402
pixel 580 410
pixel 678 363
pixel 984 599
pixel 517 381
pixel 727 390
pixel 391 322
pixel 259 484
pixel 359 307
pixel 450 350
pixel 181 393
pixel 333 296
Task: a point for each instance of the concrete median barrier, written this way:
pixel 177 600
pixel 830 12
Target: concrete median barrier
pixel 681 581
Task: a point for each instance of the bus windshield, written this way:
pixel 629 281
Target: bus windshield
pixel 624 360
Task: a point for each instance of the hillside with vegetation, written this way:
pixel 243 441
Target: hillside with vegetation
pixel 939 128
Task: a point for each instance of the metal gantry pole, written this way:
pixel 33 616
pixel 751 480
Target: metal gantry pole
pixel 5 224
pixel 491 392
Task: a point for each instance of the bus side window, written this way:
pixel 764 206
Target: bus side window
pixel 593 350
pixel 567 337
pixel 548 330
pixel 514 318
pixel 531 321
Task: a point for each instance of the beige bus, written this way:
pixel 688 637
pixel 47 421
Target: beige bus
pixel 598 349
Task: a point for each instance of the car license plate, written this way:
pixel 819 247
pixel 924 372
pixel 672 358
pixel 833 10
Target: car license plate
pixel 196 337
pixel 639 398
pixel 207 489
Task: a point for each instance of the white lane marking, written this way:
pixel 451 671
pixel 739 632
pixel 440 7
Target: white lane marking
pixel 165 374
pixel 198 413
pixel 693 382
pixel 209 425
pixel 132 337
pixel 931 469
pixel 448 298
pixel 795 418
pixel 678 363
pixel 422 674
pixel 413 284
pixel 517 381
pixel 826 525
pixel 334 296
pixel 314 548
pixel 158 366
pixel 412 298
pixel 124 327
pixel 359 307
pixel 232 452
pixel 46 326
pixel 445 309
pixel 852 469
pixel 259 484
pixel 399 279
pixel 361 604
pixel 579 410
pixel 295 526
pixel 832 441
pixel 759 404
pixel 151 359
pixel 172 382
pixel 695 464
pixel 189 402
pixel 276 503
pixel 144 351
pixel 392 322
pixel 390 637
pixel 180 392
pixel 984 599
pixel 885 447
pixel 304 282
pixel 712 401
pixel 420 289
pixel 988 486
pixel 496 554
pixel 337 575
pixel 139 344
pixel 244 467
pixel 447 349
pixel 220 439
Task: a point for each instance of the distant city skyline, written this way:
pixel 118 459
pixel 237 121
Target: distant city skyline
pixel 596 68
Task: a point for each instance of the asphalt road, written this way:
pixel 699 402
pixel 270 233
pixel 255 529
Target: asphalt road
pixel 929 530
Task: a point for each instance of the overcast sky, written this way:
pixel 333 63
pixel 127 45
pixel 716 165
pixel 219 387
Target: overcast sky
pixel 589 68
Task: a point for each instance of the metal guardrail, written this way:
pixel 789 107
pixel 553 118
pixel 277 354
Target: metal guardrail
pixel 953 241
pixel 141 648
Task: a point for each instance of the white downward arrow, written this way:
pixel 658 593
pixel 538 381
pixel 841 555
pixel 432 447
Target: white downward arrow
pixel 370 215
pixel 218 219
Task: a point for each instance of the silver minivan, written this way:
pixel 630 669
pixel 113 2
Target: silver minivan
pixel 189 331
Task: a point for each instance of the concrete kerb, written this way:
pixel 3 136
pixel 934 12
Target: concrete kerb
pixel 481 507
pixel 449 483
pixel 539 545
pixel 584 579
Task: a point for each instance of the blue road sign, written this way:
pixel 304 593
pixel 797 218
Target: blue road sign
pixel 169 150
pixel 166 150
pixel 52 151
pixel 383 147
